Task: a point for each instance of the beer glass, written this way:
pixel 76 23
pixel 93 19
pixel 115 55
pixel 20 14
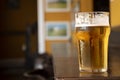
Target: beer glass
pixel 92 30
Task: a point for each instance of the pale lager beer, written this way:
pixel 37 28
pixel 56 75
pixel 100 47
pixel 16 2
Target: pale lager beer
pixel 91 35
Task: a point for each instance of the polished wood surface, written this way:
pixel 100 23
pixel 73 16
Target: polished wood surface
pixel 66 64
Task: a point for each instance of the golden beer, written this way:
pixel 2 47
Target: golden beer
pixel 92 43
pixel 91 36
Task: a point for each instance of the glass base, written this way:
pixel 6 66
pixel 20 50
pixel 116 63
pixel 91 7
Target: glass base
pixel 93 70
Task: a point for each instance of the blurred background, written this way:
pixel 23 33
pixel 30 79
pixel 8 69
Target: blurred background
pixel 18 28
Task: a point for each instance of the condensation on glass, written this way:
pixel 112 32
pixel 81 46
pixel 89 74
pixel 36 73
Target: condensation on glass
pixel 91 36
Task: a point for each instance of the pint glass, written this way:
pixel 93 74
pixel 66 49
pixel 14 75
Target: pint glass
pixel 91 35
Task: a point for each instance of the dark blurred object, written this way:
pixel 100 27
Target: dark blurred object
pixel 44 59
pixel 43 74
pixel 30 57
pixel 13 4
pixel 101 5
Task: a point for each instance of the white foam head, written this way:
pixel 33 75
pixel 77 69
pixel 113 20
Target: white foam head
pixel 91 19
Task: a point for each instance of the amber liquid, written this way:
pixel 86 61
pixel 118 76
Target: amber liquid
pixel 92 44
